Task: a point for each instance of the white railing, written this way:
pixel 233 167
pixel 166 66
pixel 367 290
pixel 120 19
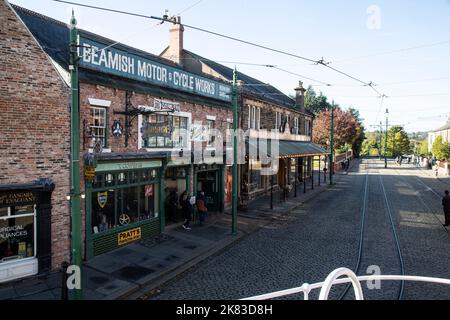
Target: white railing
pixel 332 279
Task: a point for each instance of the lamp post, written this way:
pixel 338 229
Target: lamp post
pixel 386 139
pixel 332 143
pixel 75 153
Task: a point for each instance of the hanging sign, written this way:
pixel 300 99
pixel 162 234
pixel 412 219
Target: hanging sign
pixel 117 129
pixel 163 105
pixel 89 172
pixel 128 236
pixel 161 129
pixel 132 66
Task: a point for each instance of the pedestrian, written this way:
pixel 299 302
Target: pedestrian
pixel 173 205
pixel 446 206
pixel 186 208
pixel 201 207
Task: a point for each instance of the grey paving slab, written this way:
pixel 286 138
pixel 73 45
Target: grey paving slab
pixel 7 293
pixel 31 288
pixel 108 263
pixel 46 295
pixel 112 287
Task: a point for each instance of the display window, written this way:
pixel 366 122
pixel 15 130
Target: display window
pixel 128 197
pixel 17 232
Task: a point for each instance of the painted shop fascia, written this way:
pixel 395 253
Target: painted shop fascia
pixel 131 177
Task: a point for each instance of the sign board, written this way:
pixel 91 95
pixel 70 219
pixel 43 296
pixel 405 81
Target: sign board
pixel 132 66
pixel 163 105
pixel 160 129
pixel 13 198
pixel 128 236
pixel 131 165
pixel 89 172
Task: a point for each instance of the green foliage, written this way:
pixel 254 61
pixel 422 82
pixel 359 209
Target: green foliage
pixel 369 146
pixel 440 149
pixel 315 103
pixel 422 148
pixel 398 142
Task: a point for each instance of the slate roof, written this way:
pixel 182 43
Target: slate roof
pixel 261 91
pixel 445 127
pixel 53 36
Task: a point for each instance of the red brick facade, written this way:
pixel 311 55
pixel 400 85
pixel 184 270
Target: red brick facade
pixel 34 122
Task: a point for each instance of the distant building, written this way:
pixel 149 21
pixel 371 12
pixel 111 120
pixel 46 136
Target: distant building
pixel 443 132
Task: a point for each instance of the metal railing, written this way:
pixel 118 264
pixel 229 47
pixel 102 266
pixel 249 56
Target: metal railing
pixel 333 278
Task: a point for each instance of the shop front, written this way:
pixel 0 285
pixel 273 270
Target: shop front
pixel 209 178
pixel 25 228
pixel 123 204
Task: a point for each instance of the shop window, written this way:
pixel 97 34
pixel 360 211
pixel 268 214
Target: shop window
pixel 121 205
pixel 178 136
pixel 295 125
pixel 98 125
pixel 17 232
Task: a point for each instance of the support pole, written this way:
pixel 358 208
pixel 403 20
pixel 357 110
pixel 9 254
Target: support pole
pixel 319 171
pixel 296 177
pixel 235 145
pixel 75 154
pixel 312 172
pixel 332 144
pixel 385 142
pixel 271 191
pixel 304 175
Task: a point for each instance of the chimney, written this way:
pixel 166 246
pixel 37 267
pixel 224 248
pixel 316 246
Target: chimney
pixel 300 97
pixel 175 52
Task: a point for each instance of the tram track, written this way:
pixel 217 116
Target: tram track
pixel 363 228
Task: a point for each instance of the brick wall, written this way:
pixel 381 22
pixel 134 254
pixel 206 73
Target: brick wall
pixel 34 122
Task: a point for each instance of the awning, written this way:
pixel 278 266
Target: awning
pixel 288 148
pixel 295 149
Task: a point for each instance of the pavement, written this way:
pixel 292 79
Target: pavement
pixel 139 269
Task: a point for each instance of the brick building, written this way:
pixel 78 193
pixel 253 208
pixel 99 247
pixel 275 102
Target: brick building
pixel 266 114
pixel 138 116
pixel 34 154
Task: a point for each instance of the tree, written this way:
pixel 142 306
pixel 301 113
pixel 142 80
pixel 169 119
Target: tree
pixel 360 135
pixel 422 147
pixel 440 149
pixel 314 103
pixel 345 128
pixel 398 142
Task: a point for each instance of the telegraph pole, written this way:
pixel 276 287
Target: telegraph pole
pixel 235 145
pixel 386 140
pixel 332 144
pixel 75 152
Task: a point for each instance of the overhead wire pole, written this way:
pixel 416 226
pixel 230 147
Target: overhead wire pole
pixel 75 153
pixel 386 140
pixel 235 146
pixel 332 144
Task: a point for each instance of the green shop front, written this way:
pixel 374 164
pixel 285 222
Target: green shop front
pixel 123 202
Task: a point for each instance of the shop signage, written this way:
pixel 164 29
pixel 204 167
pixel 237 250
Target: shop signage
pixel 102 198
pixel 132 165
pixel 162 129
pixel 116 129
pixel 125 64
pixel 89 172
pixel 169 106
pixel 11 198
pixel 128 236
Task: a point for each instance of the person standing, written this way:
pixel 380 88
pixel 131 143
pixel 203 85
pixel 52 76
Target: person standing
pixel 446 206
pixel 186 208
pixel 201 207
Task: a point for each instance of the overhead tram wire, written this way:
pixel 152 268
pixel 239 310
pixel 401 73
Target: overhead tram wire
pixel 318 62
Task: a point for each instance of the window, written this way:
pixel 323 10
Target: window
pixel 98 125
pixel 17 232
pixel 229 132
pixel 178 137
pixel 254 118
pixel 308 127
pixel 210 124
pixel 296 125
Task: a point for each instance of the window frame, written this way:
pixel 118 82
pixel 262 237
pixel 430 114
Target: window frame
pixel 92 125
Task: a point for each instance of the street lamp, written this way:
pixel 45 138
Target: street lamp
pixel 386 139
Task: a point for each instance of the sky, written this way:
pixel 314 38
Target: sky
pixel 366 39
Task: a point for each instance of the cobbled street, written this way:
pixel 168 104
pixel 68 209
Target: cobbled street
pixel 324 234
